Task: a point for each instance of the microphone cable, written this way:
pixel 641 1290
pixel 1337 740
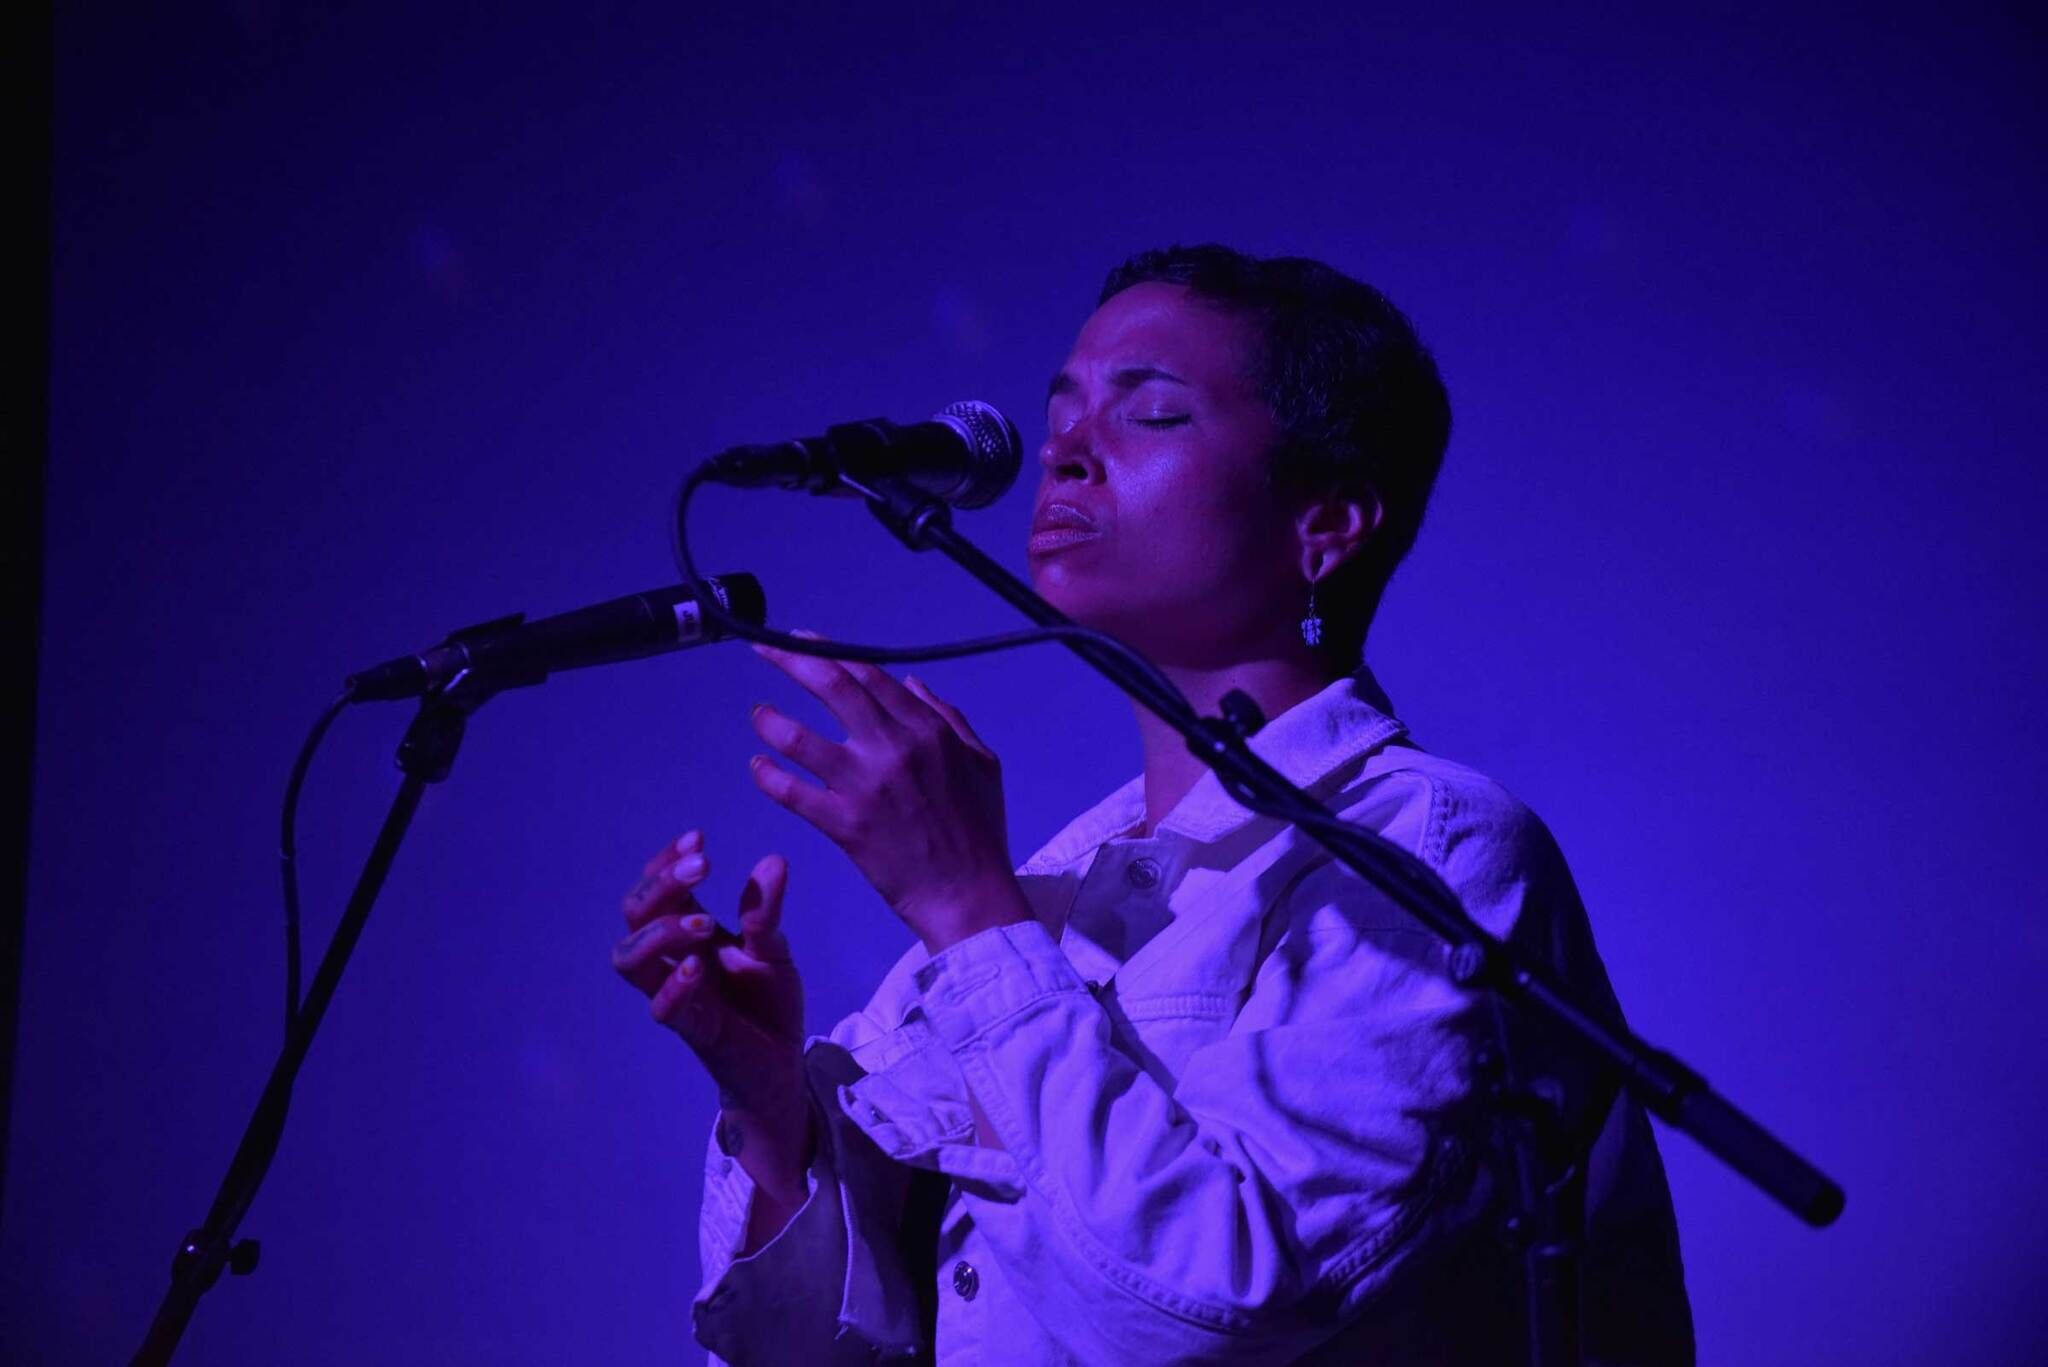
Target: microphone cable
pixel 288 852
pixel 874 654
pixel 708 601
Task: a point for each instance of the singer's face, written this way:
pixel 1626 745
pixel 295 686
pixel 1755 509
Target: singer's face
pixel 1159 445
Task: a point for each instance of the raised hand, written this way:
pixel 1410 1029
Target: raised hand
pixel 912 795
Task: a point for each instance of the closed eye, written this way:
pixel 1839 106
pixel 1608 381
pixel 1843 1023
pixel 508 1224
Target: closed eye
pixel 1161 422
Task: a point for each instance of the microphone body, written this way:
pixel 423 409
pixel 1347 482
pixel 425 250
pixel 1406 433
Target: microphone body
pixel 967 454
pixel 513 652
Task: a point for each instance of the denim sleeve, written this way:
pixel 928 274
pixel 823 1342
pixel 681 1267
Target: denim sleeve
pixel 1249 1210
pixel 830 1286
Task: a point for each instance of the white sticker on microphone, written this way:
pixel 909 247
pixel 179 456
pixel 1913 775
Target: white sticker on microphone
pixel 689 623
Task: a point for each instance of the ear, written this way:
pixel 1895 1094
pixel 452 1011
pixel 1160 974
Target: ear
pixel 1334 527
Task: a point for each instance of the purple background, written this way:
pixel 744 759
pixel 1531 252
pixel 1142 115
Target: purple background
pixel 367 327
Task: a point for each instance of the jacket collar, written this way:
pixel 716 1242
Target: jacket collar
pixel 1307 743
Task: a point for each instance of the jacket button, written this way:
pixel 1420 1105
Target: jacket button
pixel 966 1281
pixel 1143 873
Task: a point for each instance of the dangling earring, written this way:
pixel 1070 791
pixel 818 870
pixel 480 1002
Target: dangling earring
pixel 1312 625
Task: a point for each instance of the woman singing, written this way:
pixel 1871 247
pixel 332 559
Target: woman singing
pixel 1178 1088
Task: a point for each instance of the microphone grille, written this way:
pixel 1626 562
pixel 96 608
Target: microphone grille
pixel 997 451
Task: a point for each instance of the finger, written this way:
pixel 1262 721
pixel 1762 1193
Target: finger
pixel 761 910
pixel 830 683
pixel 828 760
pixel 667 892
pixel 645 957
pixel 683 1003
pixel 952 715
pixel 881 685
pixel 689 842
pixel 817 805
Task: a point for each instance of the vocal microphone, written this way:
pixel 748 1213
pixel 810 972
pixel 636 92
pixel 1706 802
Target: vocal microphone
pixel 967 454
pixel 511 652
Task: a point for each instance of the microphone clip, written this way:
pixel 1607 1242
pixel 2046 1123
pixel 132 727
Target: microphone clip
pixel 908 511
pixel 442 666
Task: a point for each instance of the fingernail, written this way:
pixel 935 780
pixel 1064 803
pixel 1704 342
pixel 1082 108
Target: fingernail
pixel 756 762
pixel 696 925
pixel 689 967
pixel 759 708
pixel 689 840
pixel 689 866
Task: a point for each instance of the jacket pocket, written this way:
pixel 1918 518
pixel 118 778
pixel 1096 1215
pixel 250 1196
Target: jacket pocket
pixel 1162 1030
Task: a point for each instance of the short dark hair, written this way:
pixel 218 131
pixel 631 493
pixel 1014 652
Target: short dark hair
pixel 1355 392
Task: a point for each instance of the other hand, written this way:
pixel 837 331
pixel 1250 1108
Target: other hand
pixel 733 997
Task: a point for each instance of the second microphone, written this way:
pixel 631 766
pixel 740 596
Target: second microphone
pixel 512 652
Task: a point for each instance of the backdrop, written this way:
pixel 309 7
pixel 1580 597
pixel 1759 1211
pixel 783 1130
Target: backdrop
pixel 373 324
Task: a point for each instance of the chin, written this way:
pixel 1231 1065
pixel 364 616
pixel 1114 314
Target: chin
pixel 1092 601
pixel 1058 584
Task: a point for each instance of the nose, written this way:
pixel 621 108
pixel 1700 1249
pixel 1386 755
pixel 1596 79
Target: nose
pixel 1068 455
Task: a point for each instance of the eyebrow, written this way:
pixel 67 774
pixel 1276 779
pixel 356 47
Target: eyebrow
pixel 1125 378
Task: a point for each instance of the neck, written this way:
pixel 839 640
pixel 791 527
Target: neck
pixel 1170 769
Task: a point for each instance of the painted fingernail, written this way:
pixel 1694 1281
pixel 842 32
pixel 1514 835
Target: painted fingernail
pixel 689 967
pixel 696 925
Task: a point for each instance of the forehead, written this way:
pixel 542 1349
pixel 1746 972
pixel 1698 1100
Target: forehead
pixel 1157 324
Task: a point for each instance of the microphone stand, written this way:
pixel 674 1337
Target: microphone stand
pixel 425 756
pixel 1547 1180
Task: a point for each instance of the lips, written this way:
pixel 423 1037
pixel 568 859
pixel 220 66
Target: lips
pixel 1059 525
pixel 1061 517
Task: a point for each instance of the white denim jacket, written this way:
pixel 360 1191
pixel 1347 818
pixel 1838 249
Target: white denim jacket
pixel 1235 1096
